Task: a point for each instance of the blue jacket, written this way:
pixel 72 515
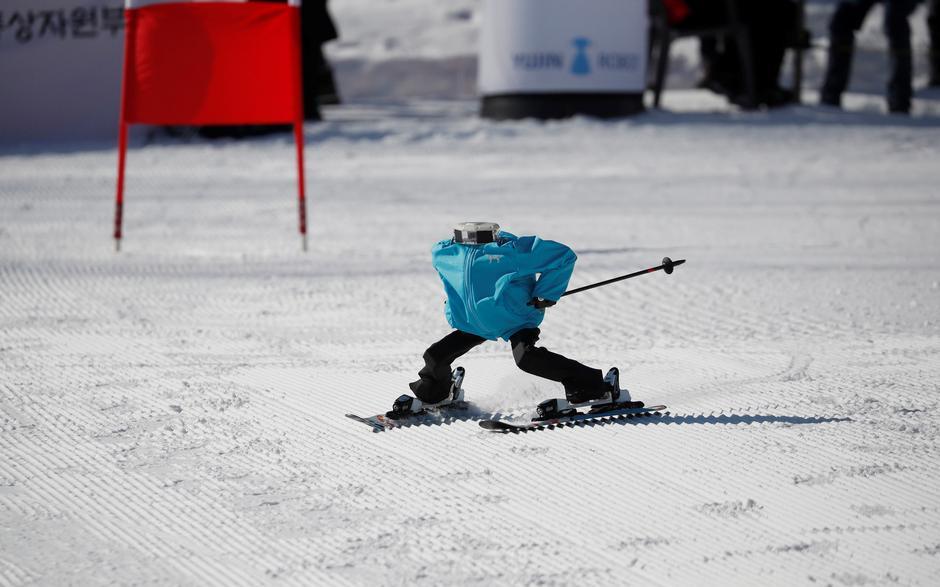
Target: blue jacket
pixel 489 285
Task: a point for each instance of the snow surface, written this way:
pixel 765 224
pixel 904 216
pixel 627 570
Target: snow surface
pixel 174 413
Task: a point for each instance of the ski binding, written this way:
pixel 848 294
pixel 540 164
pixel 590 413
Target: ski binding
pixel 408 410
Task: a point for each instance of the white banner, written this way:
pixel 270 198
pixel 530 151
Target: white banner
pixel 60 66
pixel 563 46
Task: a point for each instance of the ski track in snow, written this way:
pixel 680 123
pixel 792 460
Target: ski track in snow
pixel 174 413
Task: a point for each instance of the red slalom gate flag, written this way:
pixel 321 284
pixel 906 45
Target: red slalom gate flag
pixel 198 62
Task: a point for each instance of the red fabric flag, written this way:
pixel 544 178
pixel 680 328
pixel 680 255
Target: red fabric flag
pixel 221 62
pixel 199 62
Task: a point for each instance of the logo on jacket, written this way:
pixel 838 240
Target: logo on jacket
pixel 494 258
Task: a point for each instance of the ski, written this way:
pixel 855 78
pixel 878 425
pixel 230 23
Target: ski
pixel 429 416
pixel 456 409
pixel 614 413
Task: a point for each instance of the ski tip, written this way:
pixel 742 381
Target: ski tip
pixel 373 422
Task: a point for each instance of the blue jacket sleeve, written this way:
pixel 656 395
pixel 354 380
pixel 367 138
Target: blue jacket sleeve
pixel 553 260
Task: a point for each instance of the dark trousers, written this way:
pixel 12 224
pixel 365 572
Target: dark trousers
pixel 933 25
pixel 846 20
pixel 770 25
pixel 433 384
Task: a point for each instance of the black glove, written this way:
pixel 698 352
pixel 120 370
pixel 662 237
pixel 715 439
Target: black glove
pixel 540 304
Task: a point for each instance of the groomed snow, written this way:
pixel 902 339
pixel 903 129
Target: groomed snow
pixel 174 413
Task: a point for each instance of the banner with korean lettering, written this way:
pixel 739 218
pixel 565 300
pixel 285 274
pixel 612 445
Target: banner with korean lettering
pixel 60 69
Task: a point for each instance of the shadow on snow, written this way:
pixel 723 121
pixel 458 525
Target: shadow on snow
pixel 666 418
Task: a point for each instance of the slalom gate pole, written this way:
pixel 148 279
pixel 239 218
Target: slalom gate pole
pixel 301 190
pixel 119 198
pixel 130 27
pixel 299 123
pixel 667 266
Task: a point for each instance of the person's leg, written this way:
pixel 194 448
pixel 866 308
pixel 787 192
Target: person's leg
pixel 898 30
pixel 847 18
pixel 708 50
pixel 770 26
pixel 312 60
pixel 433 384
pixel 933 25
pixel 776 26
pixel 725 68
pixel 581 383
pixel 722 72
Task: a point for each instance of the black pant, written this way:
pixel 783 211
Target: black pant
pixel 433 384
pixel 770 25
pixel 933 25
pixel 846 20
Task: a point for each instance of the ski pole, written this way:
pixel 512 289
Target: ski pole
pixel 667 266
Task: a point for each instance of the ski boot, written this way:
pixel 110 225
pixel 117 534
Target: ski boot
pixel 612 398
pixel 619 398
pixel 406 406
pixel 560 408
pixel 612 381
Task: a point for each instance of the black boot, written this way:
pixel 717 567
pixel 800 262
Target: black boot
pixel 612 380
pixel 407 405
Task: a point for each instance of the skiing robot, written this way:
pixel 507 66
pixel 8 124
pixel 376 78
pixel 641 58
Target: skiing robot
pixel 498 286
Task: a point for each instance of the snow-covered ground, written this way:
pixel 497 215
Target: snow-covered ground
pixel 174 413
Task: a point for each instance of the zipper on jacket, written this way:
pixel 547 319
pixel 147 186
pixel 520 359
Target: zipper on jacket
pixel 468 287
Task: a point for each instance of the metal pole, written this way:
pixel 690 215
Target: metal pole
pixel 299 124
pixel 130 30
pixel 119 202
pixel 667 266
